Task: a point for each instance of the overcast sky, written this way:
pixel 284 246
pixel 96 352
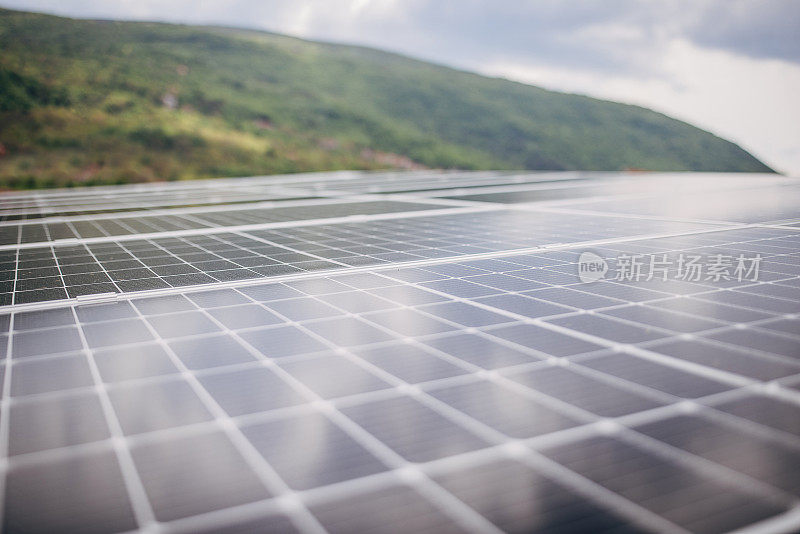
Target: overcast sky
pixel 729 66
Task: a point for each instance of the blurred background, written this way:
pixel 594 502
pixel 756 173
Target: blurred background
pixel 249 87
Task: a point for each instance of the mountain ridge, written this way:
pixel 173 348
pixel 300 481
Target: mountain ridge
pixel 117 102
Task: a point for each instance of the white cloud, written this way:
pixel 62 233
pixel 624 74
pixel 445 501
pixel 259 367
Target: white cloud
pixel 752 102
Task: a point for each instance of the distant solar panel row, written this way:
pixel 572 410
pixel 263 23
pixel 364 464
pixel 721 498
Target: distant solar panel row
pixel 28 212
pixel 49 273
pixel 193 220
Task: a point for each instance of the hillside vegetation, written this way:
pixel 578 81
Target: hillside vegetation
pixel 91 102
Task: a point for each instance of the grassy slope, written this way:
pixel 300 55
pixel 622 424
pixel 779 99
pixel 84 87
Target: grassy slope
pixel 81 102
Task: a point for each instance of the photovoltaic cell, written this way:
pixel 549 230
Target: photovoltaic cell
pixel 558 509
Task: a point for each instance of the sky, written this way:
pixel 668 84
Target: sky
pixel 729 66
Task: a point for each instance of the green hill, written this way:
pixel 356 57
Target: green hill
pixel 90 102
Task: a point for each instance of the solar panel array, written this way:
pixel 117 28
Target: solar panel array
pixel 401 352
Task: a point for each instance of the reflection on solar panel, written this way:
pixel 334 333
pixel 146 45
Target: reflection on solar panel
pixel 403 352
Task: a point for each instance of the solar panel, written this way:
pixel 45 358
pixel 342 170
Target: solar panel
pixel 396 352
